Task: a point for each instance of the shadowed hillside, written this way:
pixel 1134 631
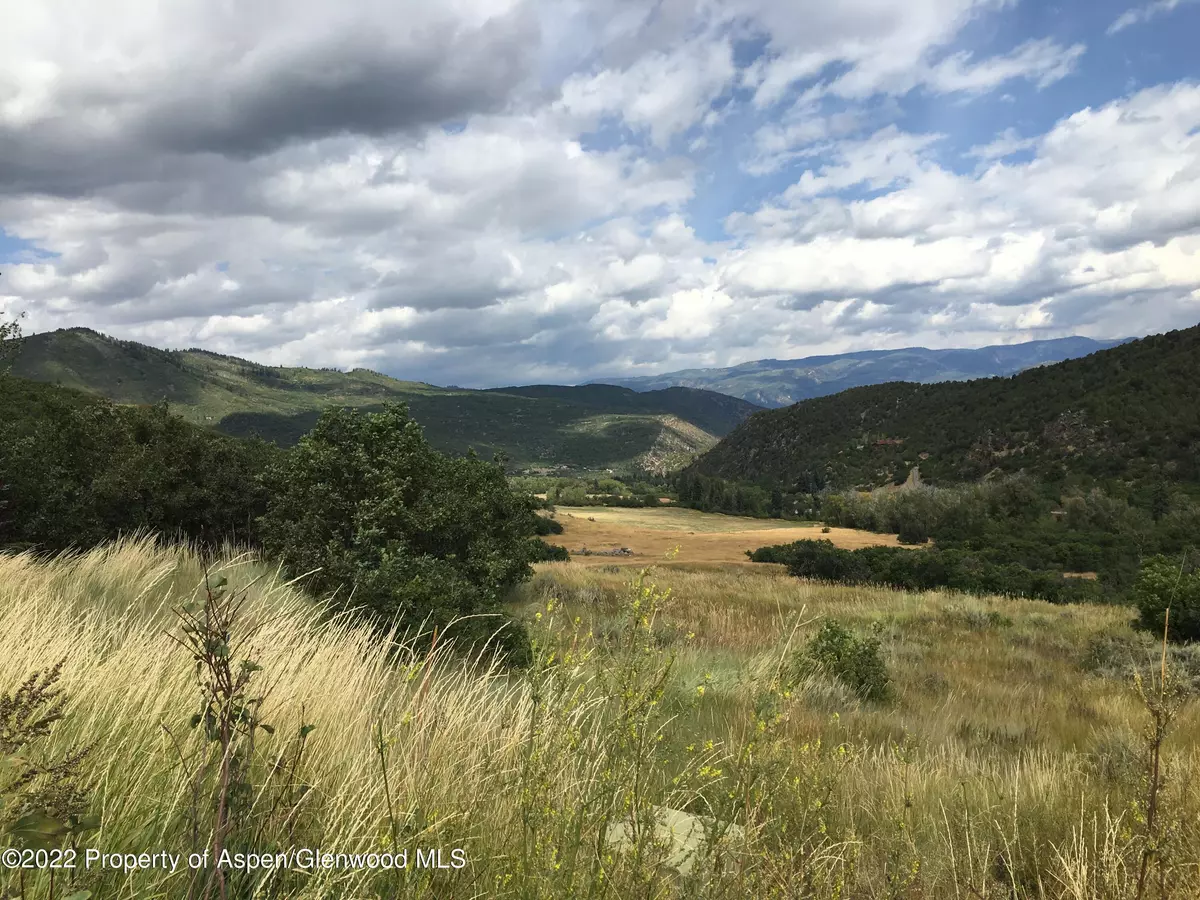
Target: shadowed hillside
pixel 1130 413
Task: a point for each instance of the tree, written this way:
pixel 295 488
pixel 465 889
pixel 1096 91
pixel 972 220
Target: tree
pixel 10 340
pixel 77 470
pixel 1160 500
pixel 1168 583
pixel 395 529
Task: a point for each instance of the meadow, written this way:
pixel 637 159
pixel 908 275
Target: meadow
pixel 1010 761
pixel 675 536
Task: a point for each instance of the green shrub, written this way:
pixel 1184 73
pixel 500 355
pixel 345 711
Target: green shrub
pixel 544 525
pixel 969 572
pixel 1169 583
pixel 545 552
pixel 364 503
pixel 852 659
pixel 913 533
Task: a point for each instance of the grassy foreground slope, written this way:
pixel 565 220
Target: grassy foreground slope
pixel 590 427
pixel 1131 413
pixel 1007 767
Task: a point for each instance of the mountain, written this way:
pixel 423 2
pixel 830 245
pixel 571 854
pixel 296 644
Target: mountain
pixel 579 428
pixel 782 382
pixel 1128 413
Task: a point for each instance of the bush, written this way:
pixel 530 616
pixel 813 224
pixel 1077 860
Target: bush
pixel 365 503
pixel 926 570
pixel 544 525
pixel 1168 583
pixel 852 659
pixel 544 552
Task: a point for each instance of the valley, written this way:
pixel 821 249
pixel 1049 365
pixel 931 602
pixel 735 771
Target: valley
pixel 371 640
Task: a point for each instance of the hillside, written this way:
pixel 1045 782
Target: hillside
pixel 577 428
pixel 710 411
pixel 781 382
pixel 1131 412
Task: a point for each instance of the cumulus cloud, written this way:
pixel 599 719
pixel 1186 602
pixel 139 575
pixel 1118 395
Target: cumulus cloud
pixel 1093 219
pixel 664 93
pixel 489 191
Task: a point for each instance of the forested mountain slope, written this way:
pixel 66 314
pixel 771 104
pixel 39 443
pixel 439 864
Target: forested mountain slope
pixel 1129 412
pixel 579 428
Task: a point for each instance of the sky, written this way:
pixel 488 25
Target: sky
pixel 490 192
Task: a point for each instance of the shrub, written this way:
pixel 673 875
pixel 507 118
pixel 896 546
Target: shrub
pixel 1166 583
pixel 42 802
pixel 423 540
pixel 928 570
pixel 544 552
pixel 852 659
pixel 544 525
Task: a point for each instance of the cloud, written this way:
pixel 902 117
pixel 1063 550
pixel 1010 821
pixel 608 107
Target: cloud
pixel 1005 144
pixel 168 81
pixel 1094 216
pixel 1041 61
pixel 490 191
pixel 1138 14
pixel 663 94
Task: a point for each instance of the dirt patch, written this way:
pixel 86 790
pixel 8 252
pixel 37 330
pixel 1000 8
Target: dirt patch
pixel 649 544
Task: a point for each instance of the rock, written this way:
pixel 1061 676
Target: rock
pixel 684 832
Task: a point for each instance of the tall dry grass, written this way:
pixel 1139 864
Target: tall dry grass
pixel 1003 769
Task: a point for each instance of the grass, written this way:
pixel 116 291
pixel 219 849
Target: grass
pixel 692 537
pixel 669 518
pixel 1007 766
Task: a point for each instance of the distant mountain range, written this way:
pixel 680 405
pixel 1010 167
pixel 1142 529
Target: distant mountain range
pixel 1128 414
pixel 782 382
pixel 585 428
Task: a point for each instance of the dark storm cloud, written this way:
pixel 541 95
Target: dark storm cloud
pixel 361 79
pixel 358 84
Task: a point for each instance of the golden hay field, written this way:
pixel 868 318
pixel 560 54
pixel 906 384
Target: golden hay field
pixel 702 538
pixel 1010 764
